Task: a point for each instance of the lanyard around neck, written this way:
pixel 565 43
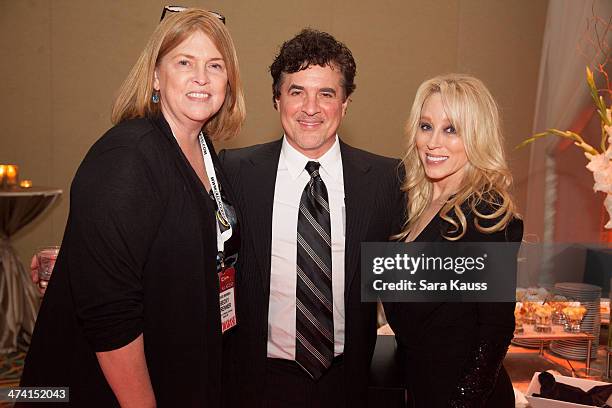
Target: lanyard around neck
pixel 221 215
pixel 214 187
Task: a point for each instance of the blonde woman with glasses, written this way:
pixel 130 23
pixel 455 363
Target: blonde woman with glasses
pixel 132 315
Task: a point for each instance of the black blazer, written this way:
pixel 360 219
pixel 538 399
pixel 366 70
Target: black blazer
pixel 374 212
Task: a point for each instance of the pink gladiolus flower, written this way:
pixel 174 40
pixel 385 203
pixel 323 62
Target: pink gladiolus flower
pixel 601 167
pixel 608 205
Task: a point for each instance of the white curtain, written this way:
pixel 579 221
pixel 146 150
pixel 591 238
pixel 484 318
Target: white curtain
pixel 562 94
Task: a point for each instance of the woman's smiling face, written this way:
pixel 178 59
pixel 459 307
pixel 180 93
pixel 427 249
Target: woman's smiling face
pixel 192 82
pixel 440 148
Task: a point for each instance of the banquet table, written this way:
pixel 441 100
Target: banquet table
pixel 18 296
pixel 544 337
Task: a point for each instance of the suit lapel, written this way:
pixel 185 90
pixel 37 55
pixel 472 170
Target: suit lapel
pixel 358 199
pixel 259 178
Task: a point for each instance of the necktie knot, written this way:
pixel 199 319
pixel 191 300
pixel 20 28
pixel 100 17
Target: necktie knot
pixel 312 167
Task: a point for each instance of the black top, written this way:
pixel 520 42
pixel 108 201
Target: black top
pixel 138 256
pixel 438 341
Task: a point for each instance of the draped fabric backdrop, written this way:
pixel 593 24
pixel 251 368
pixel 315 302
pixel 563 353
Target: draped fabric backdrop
pixel 562 94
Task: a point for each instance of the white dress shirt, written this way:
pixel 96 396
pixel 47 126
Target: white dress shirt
pixel 291 178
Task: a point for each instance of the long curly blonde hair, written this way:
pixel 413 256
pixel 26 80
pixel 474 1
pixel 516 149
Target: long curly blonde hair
pixel 474 114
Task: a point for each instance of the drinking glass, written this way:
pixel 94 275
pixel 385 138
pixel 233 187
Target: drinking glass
pixel 46 257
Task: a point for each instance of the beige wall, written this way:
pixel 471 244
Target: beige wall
pixel 63 60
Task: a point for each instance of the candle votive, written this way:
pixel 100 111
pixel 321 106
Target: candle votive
pixel 25 183
pixel 12 175
pixel 2 175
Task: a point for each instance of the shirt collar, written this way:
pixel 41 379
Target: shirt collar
pixel 331 161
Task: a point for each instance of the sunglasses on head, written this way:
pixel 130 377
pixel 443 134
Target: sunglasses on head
pixel 178 9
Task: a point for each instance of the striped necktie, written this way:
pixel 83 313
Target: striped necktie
pixel 314 346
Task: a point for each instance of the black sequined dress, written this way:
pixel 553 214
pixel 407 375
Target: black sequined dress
pixel 452 353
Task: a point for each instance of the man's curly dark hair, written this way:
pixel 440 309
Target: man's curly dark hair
pixel 313 47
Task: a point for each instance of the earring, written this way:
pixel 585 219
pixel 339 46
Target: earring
pixel 155 97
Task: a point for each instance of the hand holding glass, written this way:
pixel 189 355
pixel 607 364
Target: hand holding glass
pixel 45 258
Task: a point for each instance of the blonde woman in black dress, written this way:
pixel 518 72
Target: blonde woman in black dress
pixel 457 182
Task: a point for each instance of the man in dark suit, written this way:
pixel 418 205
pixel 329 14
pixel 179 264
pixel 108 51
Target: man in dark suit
pixel 304 338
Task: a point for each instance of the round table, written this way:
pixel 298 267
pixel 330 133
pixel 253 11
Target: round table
pixel 18 296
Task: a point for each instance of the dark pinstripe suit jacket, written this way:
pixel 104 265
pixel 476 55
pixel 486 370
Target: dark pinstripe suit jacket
pixel 374 212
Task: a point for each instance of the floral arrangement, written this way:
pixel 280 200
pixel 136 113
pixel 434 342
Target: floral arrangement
pixel 599 161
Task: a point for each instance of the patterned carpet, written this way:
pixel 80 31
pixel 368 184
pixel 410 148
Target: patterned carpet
pixel 10 368
pixel 10 371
